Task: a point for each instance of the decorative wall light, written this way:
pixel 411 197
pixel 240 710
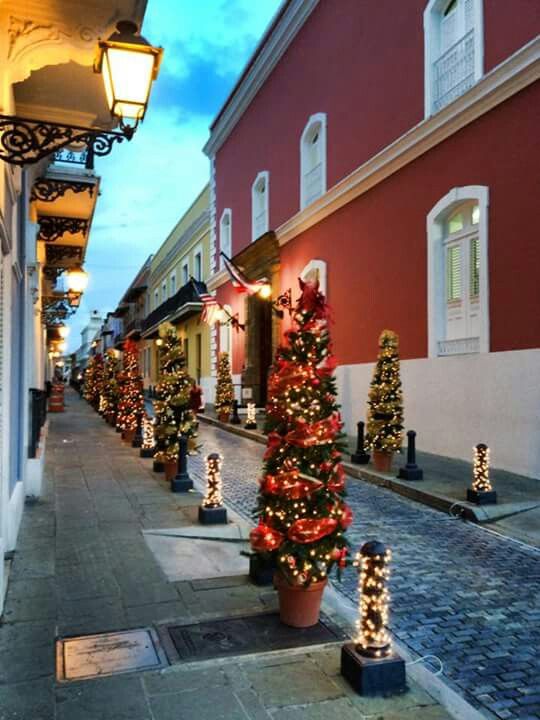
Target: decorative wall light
pixel 129 65
pixel 212 510
pixel 77 279
pixel 368 663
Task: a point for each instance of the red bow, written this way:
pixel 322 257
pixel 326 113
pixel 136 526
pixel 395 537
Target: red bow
pixel 309 530
pixel 264 538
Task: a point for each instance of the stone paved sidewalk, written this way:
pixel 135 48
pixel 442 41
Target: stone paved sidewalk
pixel 82 567
pixel 458 591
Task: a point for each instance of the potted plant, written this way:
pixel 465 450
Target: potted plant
pixel 385 404
pixel 301 513
pixel 172 404
pixel 224 388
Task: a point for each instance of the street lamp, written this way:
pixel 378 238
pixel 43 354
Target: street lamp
pixel 129 65
pixel 265 291
pixel 63 331
pixel 77 279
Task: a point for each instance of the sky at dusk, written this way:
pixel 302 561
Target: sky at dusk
pixel 146 185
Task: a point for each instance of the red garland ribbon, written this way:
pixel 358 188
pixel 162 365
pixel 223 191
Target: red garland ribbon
pixel 307 530
pixel 317 433
pixel 290 485
pixel 312 300
pixel 346 517
pixel 273 443
pixel 264 538
pixel 337 481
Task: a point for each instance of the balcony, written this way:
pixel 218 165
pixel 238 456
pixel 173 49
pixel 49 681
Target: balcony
pixel 454 72
pixel 133 329
pixel 185 303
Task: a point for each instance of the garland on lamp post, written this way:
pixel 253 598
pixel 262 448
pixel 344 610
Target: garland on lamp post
pixel 174 416
pixel 301 512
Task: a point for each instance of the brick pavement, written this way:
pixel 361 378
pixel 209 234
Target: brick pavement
pixel 458 591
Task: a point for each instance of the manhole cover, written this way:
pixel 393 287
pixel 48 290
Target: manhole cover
pixel 249 634
pixel 91 656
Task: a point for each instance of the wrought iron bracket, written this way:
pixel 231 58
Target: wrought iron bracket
pixel 50 189
pixel 24 141
pixel 53 227
pixel 58 254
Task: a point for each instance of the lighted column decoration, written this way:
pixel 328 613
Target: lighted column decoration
pixel 251 421
pixel 368 663
pixel 148 441
pixel 482 492
pixel 411 471
pixel 212 511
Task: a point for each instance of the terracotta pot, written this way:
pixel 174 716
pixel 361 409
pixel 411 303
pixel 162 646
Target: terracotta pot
pixel 128 435
pixel 171 468
pixel 223 416
pixel 299 606
pixel 382 460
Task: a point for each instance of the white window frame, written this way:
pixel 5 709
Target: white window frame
pixel 432 19
pixel 198 250
pixel 156 298
pixel 264 177
pixel 319 120
pixel 164 290
pixel 318 267
pixel 226 218
pixel 436 233
pixel 172 283
pixel 185 273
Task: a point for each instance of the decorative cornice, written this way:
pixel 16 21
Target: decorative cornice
pixel 265 59
pixel 53 227
pixel 514 74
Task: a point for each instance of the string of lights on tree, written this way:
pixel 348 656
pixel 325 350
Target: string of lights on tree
pixel 385 403
pixel 110 392
pixel 224 385
pixel 301 512
pixel 213 497
pixel 172 407
pixel 131 402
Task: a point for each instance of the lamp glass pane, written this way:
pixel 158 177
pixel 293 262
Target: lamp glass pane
pixel 127 76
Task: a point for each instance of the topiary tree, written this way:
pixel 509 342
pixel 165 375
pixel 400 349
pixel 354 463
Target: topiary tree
pixel 224 387
pixel 172 405
pixel 301 512
pixel 385 403
pixel 131 400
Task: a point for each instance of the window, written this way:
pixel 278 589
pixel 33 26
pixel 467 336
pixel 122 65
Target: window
pixel 156 299
pixel 185 273
pixel 225 234
pixel 260 222
pixel 313 160
pixel 458 307
pixel 172 282
pixel 454 45
pixel 198 266
pixel 164 291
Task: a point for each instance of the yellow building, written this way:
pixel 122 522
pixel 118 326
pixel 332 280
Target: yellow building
pixel 178 273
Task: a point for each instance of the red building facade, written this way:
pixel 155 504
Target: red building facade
pixel 393 149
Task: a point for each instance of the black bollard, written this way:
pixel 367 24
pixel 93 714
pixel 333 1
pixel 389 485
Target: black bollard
pixel 182 482
pixel 360 456
pixel 158 466
pixel 138 437
pixel 235 419
pixel 411 471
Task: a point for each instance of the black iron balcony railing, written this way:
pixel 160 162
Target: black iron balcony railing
pixel 133 327
pixel 38 415
pixel 188 294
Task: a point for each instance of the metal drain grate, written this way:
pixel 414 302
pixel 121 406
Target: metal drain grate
pixel 244 635
pixel 90 656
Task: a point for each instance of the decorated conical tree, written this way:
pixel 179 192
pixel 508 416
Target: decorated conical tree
pixel 131 401
pixel 385 403
pixel 110 393
pixel 301 512
pixel 88 388
pixel 98 381
pixel 224 387
pixel 173 413
pixel 93 380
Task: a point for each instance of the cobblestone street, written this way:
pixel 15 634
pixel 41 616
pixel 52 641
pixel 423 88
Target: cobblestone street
pixel 460 592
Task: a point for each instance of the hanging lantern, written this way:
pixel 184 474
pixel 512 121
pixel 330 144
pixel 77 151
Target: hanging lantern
pixel 63 331
pixel 77 279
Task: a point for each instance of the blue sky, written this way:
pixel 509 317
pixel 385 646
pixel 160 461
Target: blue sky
pixel 147 184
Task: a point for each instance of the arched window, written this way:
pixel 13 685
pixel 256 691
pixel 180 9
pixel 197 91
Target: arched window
pixel 313 160
pixel 260 222
pixel 225 234
pixel 458 310
pixel 454 48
